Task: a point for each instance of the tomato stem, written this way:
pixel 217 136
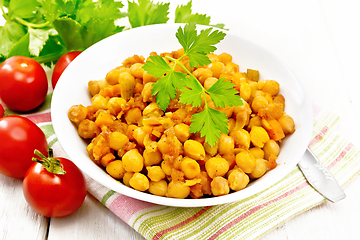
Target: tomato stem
pixel 50 163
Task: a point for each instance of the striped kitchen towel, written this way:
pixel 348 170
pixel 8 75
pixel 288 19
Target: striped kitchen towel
pixel 249 218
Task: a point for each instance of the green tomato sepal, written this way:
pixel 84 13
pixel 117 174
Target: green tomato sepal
pixel 50 163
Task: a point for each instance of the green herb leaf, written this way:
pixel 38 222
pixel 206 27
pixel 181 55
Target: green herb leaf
pixel 17 8
pixel 146 12
pixel 197 46
pixel 166 87
pixel 21 47
pixel 10 34
pixel 157 66
pixel 223 94
pixel 183 14
pixel 210 123
pixel 192 92
pixel 70 32
pixel 38 38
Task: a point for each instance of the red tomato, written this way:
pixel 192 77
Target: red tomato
pixel 54 194
pixel 23 83
pixel 2 111
pixel 19 137
pixel 61 64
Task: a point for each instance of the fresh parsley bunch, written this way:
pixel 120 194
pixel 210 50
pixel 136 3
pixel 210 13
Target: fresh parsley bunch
pixel 47 29
pixel 209 122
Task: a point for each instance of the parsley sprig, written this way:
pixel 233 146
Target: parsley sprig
pixel 209 122
pixel 46 29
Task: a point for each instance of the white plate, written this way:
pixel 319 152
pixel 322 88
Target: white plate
pixel 96 61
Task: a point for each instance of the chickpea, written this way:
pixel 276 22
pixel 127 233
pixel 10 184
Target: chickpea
pixel 238 180
pixel 213 57
pixel 260 168
pixel 136 70
pixel 231 124
pixel 209 82
pixel 127 177
pixel 133 161
pixel 88 129
pixel 152 157
pixel 258 152
pixel 147 93
pixel 127 83
pixel 77 113
pixel 117 140
pixel 270 86
pixel 245 91
pixel 155 173
pixel 178 190
pixel 226 144
pixel 202 74
pixel 139 135
pixel 254 121
pixel 112 77
pixel 152 108
pixel 115 105
pixel 216 166
pixel 133 116
pixel 259 136
pixel 166 167
pixel 190 167
pixel 279 99
pixel 219 186
pixel 94 87
pixel 225 58
pixel 241 138
pixel 139 182
pixel 245 161
pixel 194 150
pixel 287 124
pixel 116 169
pixel 258 103
pixel 99 102
pixel 158 188
pixel 216 68
pixel 182 131
pixel 271 147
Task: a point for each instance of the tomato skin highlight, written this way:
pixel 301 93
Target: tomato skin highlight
pixel 23 83
pixel 19 137
pixel 53 195
pixel 2 111
pixel 61 64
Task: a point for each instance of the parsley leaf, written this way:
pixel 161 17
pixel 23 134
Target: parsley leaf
pixel 197 46
pixel 78 24
pixel 210 123
pixel 157 66
pixel 38 38
pixel 192 92
pixel 183 15
pixel 146 12
pixel 17 8
pixel 10 33
pixel 167 86
pixel 223 93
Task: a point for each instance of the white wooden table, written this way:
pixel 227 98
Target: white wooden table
pixel 320 41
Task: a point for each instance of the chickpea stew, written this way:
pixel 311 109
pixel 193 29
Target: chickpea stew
pixel 153 151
